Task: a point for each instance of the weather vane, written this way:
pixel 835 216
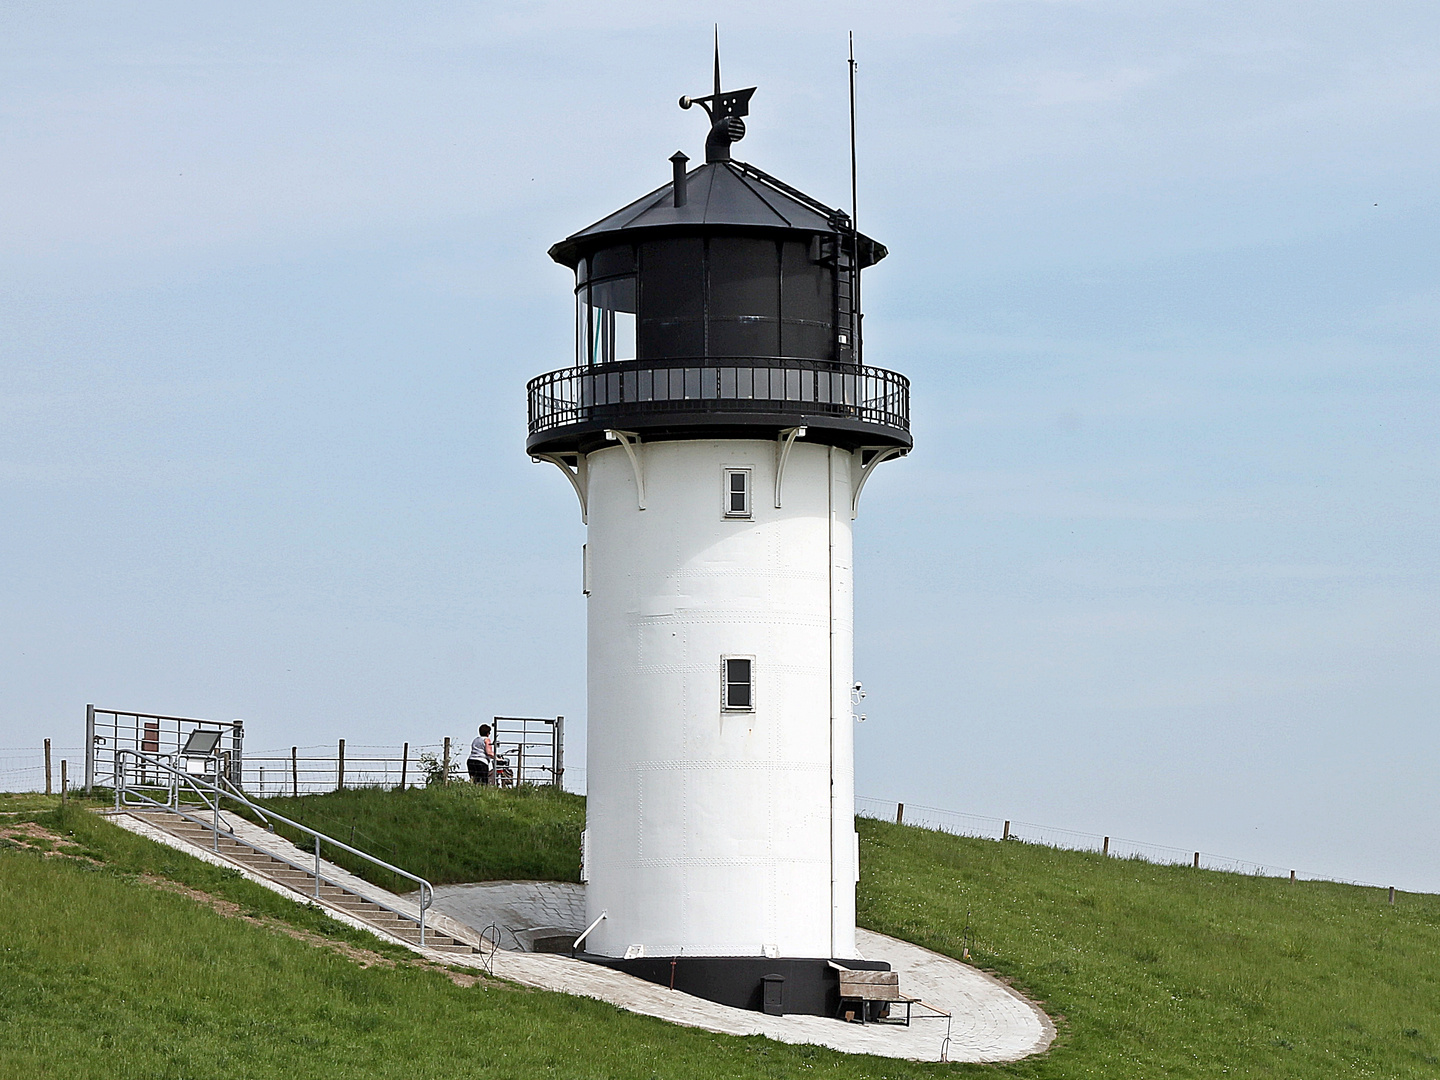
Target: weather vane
pixel 725 110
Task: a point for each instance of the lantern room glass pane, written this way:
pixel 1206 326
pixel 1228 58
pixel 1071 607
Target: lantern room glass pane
pixel 612 262
pixel 606 321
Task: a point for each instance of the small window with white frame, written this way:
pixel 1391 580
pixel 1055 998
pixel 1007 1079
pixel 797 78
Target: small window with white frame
pixel 737 691
pixel 737 493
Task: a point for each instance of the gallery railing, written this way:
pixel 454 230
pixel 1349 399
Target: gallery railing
pixel 778 385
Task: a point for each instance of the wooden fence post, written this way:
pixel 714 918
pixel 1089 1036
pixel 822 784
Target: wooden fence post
pixel 1105 848
pixel 1292 877
pixel 47 768
pixel 340 768
pixel 64 782
pixel 1392 894
pixel 404 764
pixel 295 771
pixel 900 813
pixel 445 768
pixel 1007 831
pixel 1197 860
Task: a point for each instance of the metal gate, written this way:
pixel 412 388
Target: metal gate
pixel 110 731
pixel 533 747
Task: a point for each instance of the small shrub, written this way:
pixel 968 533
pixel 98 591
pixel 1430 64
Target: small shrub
pixel 433 771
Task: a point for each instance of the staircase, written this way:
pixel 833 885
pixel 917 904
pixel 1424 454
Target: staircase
pixel 186 798
pixel 250 852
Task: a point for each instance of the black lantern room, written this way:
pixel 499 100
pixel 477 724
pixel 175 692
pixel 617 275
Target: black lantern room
pixel 721 305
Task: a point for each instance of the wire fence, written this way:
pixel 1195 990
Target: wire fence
pixel 23 768
pixel 991 828
pixel 313 770
pixel 523 757
pixel 309 770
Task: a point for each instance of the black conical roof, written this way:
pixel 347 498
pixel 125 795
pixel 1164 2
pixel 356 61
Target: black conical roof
pixel 721 194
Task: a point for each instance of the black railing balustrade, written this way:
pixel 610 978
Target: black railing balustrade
pixel 717 385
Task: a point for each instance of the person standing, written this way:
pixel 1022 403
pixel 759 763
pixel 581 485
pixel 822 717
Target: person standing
pixel 482 756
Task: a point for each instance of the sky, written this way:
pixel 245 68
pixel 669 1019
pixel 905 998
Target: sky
pixel 1163 563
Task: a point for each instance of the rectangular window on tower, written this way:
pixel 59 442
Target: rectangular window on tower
pixel 738 683
pixel 737 493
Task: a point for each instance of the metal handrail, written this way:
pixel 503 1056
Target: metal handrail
pixel 720 384
pixel 224 789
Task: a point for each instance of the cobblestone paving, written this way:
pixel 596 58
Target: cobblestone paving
pixel 520 910
pixel 988 1021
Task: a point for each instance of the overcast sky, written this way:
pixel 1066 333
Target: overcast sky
pixel 1163 564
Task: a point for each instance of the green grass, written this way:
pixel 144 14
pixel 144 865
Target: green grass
pixel 1171 971
pixel 126 855
pixel 452 833
pixel 104 976
pixel 1151 971
pixel 24 803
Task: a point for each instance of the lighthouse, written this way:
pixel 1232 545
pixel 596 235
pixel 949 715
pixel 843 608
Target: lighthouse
pixel 718 426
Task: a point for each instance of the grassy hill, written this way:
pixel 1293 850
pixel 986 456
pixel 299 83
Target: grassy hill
pixel 1170 971
pixel 449 834
pixel 125 959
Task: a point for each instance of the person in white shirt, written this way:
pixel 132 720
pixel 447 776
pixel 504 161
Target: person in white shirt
pixel 482 756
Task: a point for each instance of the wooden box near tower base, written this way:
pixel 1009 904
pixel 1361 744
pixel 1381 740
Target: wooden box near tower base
pixel 873 992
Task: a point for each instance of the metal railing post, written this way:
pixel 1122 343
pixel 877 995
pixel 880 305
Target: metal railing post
pixel 237 755
pixel 89 748
pixel 317 868
pixel 558 750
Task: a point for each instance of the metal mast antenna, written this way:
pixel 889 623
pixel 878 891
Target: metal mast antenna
pixel 854 208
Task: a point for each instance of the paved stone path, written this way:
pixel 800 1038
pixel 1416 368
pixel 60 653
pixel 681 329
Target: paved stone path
pixel 521 910
pixel 988 1021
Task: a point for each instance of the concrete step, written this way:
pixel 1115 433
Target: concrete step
pixel 262 862
pixel 359 903
pixel 433 938
pixel 301 882
pixel 195 834
pixel 374 913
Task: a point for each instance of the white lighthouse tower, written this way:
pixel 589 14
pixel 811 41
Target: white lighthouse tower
pixel 718 427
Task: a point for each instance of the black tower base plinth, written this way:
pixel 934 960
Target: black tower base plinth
pixel 810 987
